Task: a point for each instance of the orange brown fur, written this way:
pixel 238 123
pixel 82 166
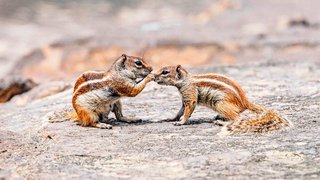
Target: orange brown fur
pixel 96 93
pixel 87 76
pixel 228 81
pixel 221 94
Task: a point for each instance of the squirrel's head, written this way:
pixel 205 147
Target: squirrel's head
pixel 134 67
pixel 170 75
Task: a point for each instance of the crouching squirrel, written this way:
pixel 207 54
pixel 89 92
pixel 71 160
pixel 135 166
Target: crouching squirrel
pixel 97 93
pixel 222 95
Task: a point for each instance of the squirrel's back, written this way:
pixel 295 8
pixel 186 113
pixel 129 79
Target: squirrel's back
pixel 215 87
pixel 88 76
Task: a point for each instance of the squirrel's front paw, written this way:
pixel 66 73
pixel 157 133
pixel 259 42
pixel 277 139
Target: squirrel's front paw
pixel 150 77
pixel 177 124
pixel 180 123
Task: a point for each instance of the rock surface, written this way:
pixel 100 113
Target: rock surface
pixel 33 148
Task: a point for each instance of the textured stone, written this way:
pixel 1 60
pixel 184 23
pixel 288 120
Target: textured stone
pixel 33 148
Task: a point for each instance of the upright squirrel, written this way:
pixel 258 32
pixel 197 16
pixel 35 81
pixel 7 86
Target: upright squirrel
pixel 221 94
pixel 96 93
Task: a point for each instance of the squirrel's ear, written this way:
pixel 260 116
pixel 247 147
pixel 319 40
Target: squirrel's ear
pixel 124 57
pixel 178 69
pixel 121 60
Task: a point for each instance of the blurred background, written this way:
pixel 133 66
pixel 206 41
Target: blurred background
pixel 59 39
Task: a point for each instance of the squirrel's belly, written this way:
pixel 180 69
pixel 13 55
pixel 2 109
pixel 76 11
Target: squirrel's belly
pixel 209 96
pixel 97 98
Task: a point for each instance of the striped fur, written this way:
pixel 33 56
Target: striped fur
pixel 224 96
pixel 88 76
pixel 96 93
pixel 263 122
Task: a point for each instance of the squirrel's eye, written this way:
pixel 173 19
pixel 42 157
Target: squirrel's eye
pixel 164 72
pixel 138 63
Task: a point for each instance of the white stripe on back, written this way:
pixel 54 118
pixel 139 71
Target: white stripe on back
pixel 214 81
pixel 87 82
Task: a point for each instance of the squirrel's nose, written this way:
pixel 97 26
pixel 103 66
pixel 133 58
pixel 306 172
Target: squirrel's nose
pixel 150 69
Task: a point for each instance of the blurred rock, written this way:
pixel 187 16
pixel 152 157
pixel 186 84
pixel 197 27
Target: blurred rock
pixel 197 54
pixel 11 86
pixel 62 61
pixel 254 29
pixel 65 60
pixel 214 10
pixel 285 22
pixel 41 91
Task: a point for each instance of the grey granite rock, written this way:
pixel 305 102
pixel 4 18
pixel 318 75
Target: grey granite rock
pixel 33 148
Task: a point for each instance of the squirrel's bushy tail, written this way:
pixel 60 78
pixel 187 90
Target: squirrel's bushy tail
pixel 73 116
pixel 263 121
pixel 63 115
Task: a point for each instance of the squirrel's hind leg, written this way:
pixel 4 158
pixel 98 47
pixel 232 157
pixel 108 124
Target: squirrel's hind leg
pixel 104 117
pixel 90 118
pixel 103 126
pixel 117 110
pixel 227 110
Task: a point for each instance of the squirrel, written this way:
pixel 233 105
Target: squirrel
pixel 96 93
pixel 221 94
